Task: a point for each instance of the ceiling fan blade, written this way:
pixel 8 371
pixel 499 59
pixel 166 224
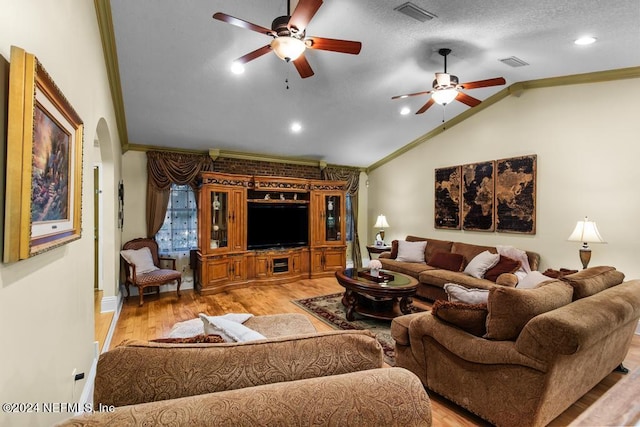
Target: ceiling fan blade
pixel 411 94
pixel 466 99
pixel 242 24
pixel 334 45
pixel 483 83
pixel 305 10
pixel 253 55
pixel 303 67
pixel 426 106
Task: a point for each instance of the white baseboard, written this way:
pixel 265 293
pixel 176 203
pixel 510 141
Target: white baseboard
pixel 108 304
pixel 86 397
pixel 114 322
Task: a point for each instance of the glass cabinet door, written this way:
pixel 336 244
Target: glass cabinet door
pixel 219 220
pixel 332 226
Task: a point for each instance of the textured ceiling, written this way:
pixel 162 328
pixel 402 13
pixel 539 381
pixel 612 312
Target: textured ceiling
pixel 178 92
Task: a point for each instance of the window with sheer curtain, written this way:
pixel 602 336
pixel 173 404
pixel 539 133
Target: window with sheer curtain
pixel 349 223
pixel 179 232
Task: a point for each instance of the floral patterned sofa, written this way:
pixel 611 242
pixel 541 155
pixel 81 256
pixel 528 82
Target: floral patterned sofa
pixel 295 376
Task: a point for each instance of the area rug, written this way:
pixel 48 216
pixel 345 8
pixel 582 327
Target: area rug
pixel 330 310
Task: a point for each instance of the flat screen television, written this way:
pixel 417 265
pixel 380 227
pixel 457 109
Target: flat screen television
pixel 275 225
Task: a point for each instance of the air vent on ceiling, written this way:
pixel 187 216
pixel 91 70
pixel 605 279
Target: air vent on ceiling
pixel 415 12
pixel 514 61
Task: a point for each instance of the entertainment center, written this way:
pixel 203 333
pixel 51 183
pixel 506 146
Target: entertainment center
pixel 266 229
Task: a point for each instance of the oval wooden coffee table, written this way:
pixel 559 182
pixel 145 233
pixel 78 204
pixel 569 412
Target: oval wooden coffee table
pixel 384 300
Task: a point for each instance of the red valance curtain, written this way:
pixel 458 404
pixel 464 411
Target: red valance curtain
pixel 164 169
pixel 352 176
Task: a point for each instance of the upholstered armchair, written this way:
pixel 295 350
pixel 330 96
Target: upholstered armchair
pixel 142 266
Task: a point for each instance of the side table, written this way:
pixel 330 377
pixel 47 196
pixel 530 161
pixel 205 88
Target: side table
pixel 373 249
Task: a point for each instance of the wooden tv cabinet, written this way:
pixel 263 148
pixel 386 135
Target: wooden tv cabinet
pixel 223 260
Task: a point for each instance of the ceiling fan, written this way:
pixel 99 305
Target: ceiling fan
pixel 446 88
pixel 289 37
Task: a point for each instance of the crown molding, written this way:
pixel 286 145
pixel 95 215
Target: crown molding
pixel 516 89
pixel 216 153
pixel 107 35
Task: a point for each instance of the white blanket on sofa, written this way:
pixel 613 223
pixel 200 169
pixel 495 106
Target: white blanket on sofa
pixel 229 326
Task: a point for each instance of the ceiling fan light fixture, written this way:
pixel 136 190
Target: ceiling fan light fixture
pixel 288 48
pixel 444 96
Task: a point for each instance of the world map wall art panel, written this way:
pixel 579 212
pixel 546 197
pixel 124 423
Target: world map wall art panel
pixel 477 196
pixel 516 195
pixel 495 195
pixel 447 198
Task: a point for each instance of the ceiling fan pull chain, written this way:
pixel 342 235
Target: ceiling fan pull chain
pixel 444 107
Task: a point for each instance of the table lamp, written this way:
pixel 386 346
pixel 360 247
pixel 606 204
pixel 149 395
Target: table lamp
pixel 381 223
pixel 586 232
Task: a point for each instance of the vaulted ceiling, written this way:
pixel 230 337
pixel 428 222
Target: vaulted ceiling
pixel 170 69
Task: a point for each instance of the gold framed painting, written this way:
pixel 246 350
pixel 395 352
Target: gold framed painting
pixel 44 162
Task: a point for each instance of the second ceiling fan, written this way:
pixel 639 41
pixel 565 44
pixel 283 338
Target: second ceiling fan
pixel 289 37
pixel 446 88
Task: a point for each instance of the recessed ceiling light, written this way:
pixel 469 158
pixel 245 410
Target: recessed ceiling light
pixel 237 68
pixel 405 110
pixel 296 127
pixel 585 40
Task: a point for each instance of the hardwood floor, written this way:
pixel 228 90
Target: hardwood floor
pixel 159 313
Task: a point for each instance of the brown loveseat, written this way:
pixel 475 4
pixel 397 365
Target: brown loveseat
pixel 548 362
pixel 305 378
pixel 432 279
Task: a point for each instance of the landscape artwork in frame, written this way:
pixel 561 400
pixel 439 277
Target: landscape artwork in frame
pixel 44 162
pixel 515 199
pixel 477 196
pixel 447 198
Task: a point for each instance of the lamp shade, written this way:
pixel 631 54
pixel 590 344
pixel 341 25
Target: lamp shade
pixel 288 48
pixel 587 232
pixel 381 222
pixel 444 96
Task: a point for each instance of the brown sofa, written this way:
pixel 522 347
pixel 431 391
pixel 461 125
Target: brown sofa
pixel 378 397
pixel 551 360
pixel 433 279
pixel 296 376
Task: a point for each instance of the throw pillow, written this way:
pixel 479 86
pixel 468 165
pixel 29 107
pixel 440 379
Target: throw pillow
pixel 411 251
pixel 507 279
pixel 394 249
pixel 229 330
pixel 532 280
pixel 141 258
pixel 510 309
pixel 198 339
pixel 517 254
pixel 459 293
pixel 482 262
pixel 447 261
pixel 504 265
pixel 470 318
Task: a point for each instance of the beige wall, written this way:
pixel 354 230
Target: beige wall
pixel 586 138
pixel 46 302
